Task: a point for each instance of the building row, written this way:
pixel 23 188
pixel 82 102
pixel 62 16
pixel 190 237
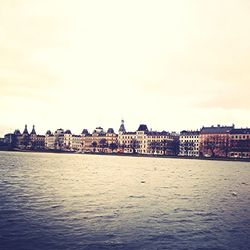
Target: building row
pixel 214 141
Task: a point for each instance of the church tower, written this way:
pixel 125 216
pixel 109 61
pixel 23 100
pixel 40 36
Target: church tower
pixel 33 132
pixel 25 132
pixel 122 127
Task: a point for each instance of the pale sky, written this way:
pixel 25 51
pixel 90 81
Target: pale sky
pixel 177 64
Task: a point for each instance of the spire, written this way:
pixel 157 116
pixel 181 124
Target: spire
pixel 122 127
pixel 25 130
pixel 33 132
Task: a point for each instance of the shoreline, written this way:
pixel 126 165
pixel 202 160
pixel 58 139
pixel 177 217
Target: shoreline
pixel 131 155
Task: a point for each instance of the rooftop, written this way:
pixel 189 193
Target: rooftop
pixel 190 132
pixel 142 127
pixel 240 131
pixel 217 130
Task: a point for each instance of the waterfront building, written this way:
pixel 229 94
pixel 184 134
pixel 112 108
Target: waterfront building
pixel 25 140
pixel 76 143
pixel 1 140
pixel 215 141
pixel 112 141
pixel 141 138
pixel 240 143
pixel 126 140
pixel 40 142
pixel 17 138
pixel 144 141
pixel 49 140
pixel 86 140
pixel 67 140
pixel 99 140
pixel 9 139
pixel 36 141
pixel 189 143
pixel 59 139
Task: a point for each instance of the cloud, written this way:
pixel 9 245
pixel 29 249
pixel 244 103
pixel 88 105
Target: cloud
pixel 93 62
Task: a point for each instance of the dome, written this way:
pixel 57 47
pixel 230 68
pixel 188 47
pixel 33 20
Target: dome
pixel 110 131
pixel 68 132
pixel 48 132
pixel 85 132
pixel 17 132
pixel 143 127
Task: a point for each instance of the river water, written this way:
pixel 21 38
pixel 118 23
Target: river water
pixel 71 201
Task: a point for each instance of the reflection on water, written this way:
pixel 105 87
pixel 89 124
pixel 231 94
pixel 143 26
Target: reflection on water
pixel 60 201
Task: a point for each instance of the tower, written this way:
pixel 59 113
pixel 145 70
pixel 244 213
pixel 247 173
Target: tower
pixel 25 130
pixel 122 127
pixel 33 132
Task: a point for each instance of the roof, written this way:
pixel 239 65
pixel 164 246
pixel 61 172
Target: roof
pixel 110 131
pixel 76 136
pixel 17 132
pixel 25 130
pixel 129 133
pixel 240 131
pixel 142 127
pixel 99 127
pixel 68 132
pixel 33 132
pixel 158 133
pixel 122 127
pixel 190 132
pixel 217 130
pixel 85 132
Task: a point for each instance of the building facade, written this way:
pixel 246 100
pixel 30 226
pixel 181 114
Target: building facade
pixel 215 141
pixel 147 142
pixel 99 141
pixel 240 143
pixel 189 143
pixel 25 140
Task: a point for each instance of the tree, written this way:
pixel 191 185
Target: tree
pixel 25 141
pixel 33 144
pixel 187 146
pixel 216 146
pixel 154 145
pixel 113 146
pixel 209 146
pixel 224 146
pixel 58 142
pixel 134 145
pixel 175 146
pixel 170 147
pixel 240 146
pixel 103 143
pixel 94 145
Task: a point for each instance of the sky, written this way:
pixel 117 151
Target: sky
pixel 77 64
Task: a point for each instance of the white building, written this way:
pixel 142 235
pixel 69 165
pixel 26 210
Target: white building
pixel 49 140
pixel 67 138
pixel 189 143
pixel 76 142
pixel 144 141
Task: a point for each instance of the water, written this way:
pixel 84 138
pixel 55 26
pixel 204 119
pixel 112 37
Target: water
pixel 66 201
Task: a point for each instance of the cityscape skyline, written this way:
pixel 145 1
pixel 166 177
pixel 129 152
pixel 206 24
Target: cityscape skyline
pixel 213 141
pixel 42 131
pixel 170 64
